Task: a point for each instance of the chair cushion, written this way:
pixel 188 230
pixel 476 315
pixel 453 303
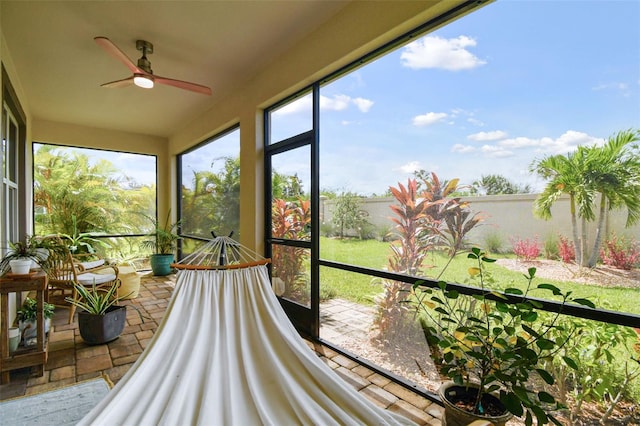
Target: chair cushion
pixel 92 264
pixel 89 278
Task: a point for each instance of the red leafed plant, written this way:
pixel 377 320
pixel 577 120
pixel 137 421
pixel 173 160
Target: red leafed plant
pixel 566 250
pixel 620 253
pixel 289 221
pixel 526 249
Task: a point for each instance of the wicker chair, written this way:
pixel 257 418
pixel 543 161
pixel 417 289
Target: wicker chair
pixel 63 271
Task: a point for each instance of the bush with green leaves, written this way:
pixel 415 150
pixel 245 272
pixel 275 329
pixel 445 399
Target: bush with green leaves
pixel 29 310
pixel 605 365
pixel 495 345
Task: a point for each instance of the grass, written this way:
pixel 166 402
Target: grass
pixel 374 254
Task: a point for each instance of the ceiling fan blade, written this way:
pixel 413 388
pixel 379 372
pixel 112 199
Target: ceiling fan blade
pixel 198 88
pixel 119 83
pixel 114 51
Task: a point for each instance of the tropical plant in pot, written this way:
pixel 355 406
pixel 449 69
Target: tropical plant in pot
pixel 100 319
pixel 27 316
pixel 162 241
pixel 23 254
pixel 492 351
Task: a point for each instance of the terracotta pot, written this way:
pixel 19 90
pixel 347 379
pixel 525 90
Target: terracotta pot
pixel 454 416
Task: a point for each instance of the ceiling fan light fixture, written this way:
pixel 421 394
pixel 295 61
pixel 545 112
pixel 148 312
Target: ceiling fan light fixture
pixel 143 81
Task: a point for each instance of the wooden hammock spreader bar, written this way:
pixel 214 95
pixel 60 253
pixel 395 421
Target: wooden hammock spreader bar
pixel 215 267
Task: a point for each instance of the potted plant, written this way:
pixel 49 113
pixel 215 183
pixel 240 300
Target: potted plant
pixel 27 316
pixel 490 350
pixel 163 240
pixel 23 254
pixel 100 320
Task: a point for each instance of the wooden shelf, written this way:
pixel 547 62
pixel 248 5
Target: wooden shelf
pixel 33 356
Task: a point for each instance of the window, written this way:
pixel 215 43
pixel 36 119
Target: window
pixel 106 193
pixel 210 188
pixel 458 119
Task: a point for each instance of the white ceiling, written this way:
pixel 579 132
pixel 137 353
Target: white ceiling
pixel 220 44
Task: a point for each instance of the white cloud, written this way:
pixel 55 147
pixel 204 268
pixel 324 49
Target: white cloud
pixel 622 88
pixel 410 167
pixel 495 151
pixel 475 122
pixel 488 136
pixel 299 105
pixel 335 103
pixel 567 142
pixel 463 149
pixel 364 105
pixel 435 52
pixel 428 118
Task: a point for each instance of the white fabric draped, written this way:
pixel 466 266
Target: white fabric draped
pixel 226 354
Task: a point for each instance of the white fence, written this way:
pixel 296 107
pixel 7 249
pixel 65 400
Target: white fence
pixel 505 215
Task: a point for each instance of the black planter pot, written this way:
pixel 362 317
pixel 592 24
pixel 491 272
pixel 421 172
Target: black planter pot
pixel 99 329
pixel 454 416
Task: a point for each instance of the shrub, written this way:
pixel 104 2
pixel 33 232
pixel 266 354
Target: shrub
pixel 620 253
pixel 494 242
pixel 566 250
pixel 526 249
pixel 551 247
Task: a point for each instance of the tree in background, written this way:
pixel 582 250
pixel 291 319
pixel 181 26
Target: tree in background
pixel 614 173
pixel 347 213
pixel 73 196
pixel 494 184
pixel 214 202
pixel 611 171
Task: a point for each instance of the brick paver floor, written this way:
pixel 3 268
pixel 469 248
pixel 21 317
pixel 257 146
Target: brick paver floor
pixel 71 360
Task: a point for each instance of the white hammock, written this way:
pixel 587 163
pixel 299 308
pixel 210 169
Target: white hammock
pixel 225 353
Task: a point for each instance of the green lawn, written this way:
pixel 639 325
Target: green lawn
pixel 375 254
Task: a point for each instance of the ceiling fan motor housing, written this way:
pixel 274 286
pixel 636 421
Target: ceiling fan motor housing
pixel 145 47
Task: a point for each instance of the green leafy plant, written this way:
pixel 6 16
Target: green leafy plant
pixel 163 239
pixel 81 242
pixel 27 249
pixel 493 345
pixel 29 310
pixel 95 300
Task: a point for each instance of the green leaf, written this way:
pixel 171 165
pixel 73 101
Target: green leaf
pixel 453 294
pixel 512 403
pixel 551 287
pixel 512 290
pixel 541 416
pixel 546 397
pixel 546 376
pixel 584 302
pixel 545 344
pixel 571 363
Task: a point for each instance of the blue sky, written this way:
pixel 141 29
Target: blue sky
pixel 489 93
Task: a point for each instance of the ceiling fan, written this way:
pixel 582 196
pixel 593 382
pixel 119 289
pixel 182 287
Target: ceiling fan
pixel 142 74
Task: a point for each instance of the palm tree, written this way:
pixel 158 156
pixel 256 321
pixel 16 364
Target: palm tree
pixel 566 176
pixel 613 170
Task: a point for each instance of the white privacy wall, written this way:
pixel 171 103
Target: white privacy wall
pixel 507 215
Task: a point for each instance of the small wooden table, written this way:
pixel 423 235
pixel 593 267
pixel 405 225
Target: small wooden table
pixel 35 356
